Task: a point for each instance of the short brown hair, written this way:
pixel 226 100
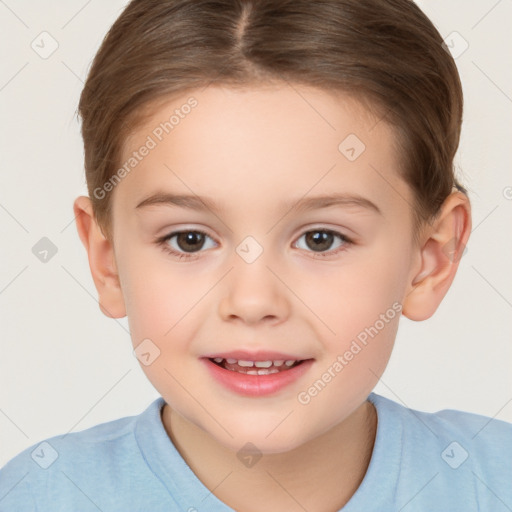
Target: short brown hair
pixel 386 53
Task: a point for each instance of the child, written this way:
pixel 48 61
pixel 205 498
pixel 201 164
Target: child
pixel 306 149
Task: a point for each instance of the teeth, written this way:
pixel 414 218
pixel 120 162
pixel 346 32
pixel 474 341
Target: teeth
pixel 263 364
pixel 262 372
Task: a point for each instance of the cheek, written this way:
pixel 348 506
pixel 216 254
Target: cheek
pixel 149 312
pixel 352 296
pixel 155 296
pixel 360 304
pixel 163 302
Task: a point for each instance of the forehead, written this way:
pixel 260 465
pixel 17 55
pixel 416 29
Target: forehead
pixel 280 142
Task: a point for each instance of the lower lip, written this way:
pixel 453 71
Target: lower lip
pixel 257 385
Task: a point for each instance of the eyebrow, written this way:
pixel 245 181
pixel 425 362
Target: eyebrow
pixel 195 202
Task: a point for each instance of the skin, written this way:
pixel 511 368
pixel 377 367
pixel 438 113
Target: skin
pixel 251 150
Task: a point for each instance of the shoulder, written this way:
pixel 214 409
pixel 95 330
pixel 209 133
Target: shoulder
pixel 456 452
pixel 449 419
pixel 94 457
pixel 475 430
pixel 79 444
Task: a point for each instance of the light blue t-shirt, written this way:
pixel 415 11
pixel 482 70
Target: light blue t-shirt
pixel 448 461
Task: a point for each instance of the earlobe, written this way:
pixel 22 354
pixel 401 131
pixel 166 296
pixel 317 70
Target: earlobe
pixel 101 257
pixel 439 258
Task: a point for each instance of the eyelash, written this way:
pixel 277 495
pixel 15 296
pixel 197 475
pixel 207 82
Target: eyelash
pixel 162 242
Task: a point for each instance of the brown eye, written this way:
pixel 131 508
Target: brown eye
pixel 322 240
pixel 319 240
pixel 181 243
pixel 189 241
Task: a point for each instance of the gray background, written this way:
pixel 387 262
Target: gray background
pixel 65 367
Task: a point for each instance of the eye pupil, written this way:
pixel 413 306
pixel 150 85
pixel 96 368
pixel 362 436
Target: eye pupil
pixel 322 239
pixel 189 241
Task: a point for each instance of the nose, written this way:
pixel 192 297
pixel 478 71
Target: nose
pixel 253 294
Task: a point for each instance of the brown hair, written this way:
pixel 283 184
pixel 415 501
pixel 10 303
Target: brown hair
pixel 386 53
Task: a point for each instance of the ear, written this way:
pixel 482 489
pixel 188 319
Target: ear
pixel 438 257
pixel 101 259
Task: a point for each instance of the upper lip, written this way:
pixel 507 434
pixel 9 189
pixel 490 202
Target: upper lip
pixel 259 355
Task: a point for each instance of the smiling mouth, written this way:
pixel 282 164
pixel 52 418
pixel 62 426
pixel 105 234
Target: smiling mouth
pixel 256 367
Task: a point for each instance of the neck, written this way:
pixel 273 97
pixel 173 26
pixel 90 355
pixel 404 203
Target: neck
pixel 320 475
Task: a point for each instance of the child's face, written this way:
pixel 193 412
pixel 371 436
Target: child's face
pixel 256 153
